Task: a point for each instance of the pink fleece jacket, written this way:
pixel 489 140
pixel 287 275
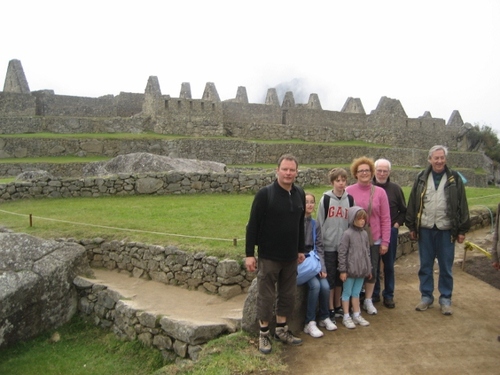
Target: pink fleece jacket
pixel 380 219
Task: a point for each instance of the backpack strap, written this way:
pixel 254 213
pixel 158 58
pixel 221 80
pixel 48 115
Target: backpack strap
pixel 326 204
pixel 351 200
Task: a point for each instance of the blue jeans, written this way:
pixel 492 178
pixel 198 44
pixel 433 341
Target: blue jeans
pixel 388 259
pixel 318 289
pixel 436 244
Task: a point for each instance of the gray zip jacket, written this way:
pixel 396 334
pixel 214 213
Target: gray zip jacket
pixel 354 249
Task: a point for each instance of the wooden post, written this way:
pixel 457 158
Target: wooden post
pixel 31 220
pixel 465 256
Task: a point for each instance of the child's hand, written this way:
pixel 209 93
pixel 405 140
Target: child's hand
pixel 343 276
pixel 370 276
pixel 322 275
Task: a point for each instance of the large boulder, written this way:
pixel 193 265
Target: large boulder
pixel 295 323
pixel 36 284
pixel 142 162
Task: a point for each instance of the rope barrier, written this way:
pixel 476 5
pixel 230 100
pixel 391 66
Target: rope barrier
pixel 469 246
pixel 233 240
pixel 484 196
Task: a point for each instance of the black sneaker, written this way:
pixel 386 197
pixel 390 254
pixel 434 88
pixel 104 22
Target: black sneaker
pixel 389 303
pixel 332 314
pixel 375 298
pixel 339 312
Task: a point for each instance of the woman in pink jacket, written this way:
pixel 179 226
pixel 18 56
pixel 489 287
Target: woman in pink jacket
pixel 373 200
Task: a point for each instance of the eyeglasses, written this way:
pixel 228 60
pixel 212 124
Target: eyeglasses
pixel 382 171
pixel 364 171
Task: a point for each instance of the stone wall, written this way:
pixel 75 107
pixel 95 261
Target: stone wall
pixel 174 338
pixel 124 105
pixel 168 183
pixel 227 151
pixel 169 265
pixel 57 124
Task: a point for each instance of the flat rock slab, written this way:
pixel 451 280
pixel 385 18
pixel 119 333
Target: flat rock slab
pixel 172 301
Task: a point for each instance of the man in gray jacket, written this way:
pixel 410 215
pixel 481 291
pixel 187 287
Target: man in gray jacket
pixel 437 215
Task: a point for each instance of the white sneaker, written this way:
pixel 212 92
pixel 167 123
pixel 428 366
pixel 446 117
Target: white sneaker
pixel 348 323
pixel 312 330
pixel 369 308
pixel 328 324
pixel 360 320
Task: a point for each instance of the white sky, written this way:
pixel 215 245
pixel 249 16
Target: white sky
pixel 435 56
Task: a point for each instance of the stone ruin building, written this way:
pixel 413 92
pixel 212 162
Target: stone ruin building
pixel 26 111
pixel 224 131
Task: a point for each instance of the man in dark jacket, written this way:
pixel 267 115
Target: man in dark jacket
pixel 276 227
pixel 397 207
pixel 437 215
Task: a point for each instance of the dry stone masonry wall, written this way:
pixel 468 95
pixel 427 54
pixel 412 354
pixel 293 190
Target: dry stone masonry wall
pixel 23 111
pixel 126 184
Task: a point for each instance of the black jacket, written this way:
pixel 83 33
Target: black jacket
pixel 397 201
pixel 276 226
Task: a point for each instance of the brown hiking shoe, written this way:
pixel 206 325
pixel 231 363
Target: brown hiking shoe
pixel 264 343
pixel 286 336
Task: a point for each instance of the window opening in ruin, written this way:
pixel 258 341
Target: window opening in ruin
pixel 202 105
pixel 283 117
pixel 179 104
pixel 213 106
pixel 166 104
pixel 190 104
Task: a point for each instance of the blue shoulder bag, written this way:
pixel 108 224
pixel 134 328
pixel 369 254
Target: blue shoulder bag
pixel 311 266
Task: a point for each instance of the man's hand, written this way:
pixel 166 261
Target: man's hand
pixel 413 235
pixel 460 238
pixel 301 258
pixel 251 264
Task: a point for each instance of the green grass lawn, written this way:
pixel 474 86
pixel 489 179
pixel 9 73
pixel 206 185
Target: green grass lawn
pixel 209 222
pixel 82 349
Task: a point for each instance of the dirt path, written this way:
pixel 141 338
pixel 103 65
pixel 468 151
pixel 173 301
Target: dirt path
pixel 405 341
